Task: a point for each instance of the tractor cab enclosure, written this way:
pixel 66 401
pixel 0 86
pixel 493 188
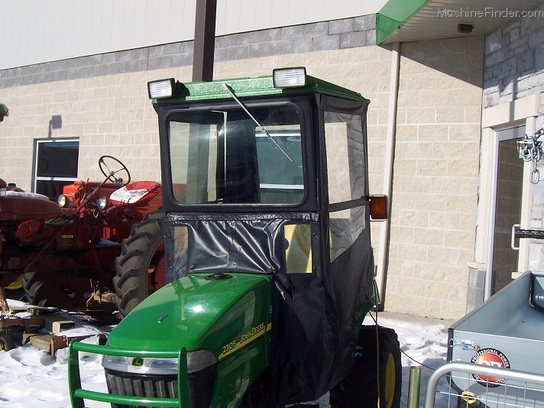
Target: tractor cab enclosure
pixel 267 238
pixel 276 184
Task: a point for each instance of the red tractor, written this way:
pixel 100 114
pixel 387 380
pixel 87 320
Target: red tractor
pixel 66 252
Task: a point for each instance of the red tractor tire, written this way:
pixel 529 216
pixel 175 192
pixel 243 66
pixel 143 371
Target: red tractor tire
pixel 140 269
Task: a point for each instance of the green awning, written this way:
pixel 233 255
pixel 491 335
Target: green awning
pixel 393 14
pixel 417 20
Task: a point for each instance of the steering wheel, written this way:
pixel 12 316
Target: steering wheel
pixel 111 167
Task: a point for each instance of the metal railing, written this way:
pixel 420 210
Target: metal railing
pixel 509 388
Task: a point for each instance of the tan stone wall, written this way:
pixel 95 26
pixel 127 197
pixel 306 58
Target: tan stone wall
pixel 112 114
pixel 109 115
pixel 435 189
pixel 436 159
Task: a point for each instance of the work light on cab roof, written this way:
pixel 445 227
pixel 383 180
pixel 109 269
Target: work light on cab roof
pixel 163 88
pixel 289 78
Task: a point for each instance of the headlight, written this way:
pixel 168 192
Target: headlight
pixel 102 202
pixel 62 200
pixel 138 365
pixel 199 360
pixel 196 361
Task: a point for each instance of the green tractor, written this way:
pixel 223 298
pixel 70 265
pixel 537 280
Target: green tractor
pixel 269 264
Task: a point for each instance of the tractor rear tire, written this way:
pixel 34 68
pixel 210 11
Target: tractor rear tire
pixel 6 342
pixel 360 389
pixel 63 290
pixel 140 268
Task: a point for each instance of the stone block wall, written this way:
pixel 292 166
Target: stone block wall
pixel 514 61
pixel 435 190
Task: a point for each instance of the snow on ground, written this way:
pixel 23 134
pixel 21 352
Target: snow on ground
pixel 32 378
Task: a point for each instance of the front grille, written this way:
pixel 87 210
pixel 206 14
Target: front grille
pixel 154 386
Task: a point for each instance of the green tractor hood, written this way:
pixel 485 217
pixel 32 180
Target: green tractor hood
pixel 168 350
pixel 203 310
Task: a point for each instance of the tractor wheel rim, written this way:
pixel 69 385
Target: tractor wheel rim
pixel 390 380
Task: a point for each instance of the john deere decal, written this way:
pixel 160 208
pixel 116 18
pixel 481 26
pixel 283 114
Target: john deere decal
pixel 245 338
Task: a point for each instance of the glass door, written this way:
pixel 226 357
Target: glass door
pixel 508 204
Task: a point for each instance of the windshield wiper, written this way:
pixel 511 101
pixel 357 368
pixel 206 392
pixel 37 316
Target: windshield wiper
pixel 230 91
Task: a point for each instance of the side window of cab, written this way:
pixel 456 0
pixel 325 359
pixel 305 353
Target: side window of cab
pixel 344 143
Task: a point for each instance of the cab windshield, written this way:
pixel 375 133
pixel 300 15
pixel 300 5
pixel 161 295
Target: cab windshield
pixel 225 156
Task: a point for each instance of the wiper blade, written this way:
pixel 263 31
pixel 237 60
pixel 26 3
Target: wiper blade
pixel 230 91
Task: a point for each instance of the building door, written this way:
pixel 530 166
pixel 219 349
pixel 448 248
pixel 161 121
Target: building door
pixel 508 203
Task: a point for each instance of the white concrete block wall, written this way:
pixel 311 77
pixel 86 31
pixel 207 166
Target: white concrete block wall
pixel 435 176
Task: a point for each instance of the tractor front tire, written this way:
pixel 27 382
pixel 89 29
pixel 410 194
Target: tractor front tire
pixel 377 357
pixel 140 269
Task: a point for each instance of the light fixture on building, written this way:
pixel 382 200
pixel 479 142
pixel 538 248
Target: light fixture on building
pixel 465 28
pixel 54 123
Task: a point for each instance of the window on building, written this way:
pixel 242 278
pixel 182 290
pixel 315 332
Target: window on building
pixel 55 165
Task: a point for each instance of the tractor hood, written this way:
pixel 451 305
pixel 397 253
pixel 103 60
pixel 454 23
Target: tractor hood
pixel 19 206
pixel 199 311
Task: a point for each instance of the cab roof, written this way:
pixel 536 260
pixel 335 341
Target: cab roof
pixel 253 87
